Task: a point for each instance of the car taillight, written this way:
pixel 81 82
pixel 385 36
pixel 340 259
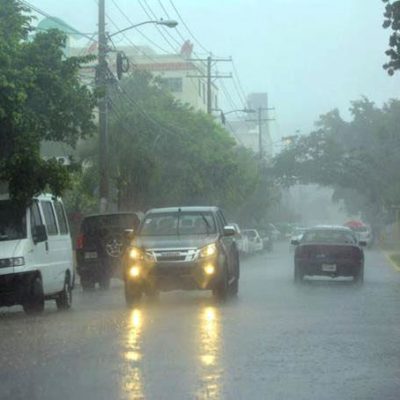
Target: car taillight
pixel 80 242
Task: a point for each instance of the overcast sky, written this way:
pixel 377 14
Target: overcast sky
pixel 309 55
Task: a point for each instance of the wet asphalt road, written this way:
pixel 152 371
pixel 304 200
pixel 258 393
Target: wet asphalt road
pixel 323 340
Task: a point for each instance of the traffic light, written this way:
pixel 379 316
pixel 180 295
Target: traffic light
pixel 122 64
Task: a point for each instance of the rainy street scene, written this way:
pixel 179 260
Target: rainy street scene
pixel 199 200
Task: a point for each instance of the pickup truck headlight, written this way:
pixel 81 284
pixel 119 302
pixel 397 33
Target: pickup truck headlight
pixel 136 254
pixel 208 251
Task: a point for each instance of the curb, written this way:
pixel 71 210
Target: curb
pixel 391 262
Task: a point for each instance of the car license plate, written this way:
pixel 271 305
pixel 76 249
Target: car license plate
pixel 329 267
pixel 90 254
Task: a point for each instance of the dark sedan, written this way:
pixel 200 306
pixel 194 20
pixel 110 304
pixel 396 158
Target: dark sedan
pixel 329 251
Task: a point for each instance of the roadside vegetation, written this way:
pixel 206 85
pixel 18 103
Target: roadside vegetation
pixel 359 158
pixel 41 98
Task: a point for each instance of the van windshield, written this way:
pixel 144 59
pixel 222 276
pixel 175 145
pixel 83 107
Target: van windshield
pixel 12 221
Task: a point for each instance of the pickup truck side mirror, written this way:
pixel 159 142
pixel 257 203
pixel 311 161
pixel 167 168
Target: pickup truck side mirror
pixel 229 230
pixel 362 243
pixel 39 234
pixel 295 242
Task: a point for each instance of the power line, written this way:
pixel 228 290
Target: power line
pixel 187 28
pixel 235 73
pixel 151 15
pixel 163 28
pixel 138 30
pixel 45 14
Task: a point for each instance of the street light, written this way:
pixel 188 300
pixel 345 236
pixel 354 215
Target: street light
pixel 243 110
pixel 169 23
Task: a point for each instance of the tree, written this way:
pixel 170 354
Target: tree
pixel 41 98
pixel 164 153
pixel 359 159
pixel 392 21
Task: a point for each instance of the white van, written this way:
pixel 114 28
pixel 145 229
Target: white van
pixel 36 258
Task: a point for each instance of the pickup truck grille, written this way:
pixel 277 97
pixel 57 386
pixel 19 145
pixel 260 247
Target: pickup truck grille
pixel 174 255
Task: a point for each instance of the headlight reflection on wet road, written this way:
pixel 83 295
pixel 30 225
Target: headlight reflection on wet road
pixel 133 380
pixel 209 346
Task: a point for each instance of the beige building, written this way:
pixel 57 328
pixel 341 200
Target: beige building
pixel 184 77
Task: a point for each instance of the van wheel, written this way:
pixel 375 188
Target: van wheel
pixel 34 303
pixel 64 299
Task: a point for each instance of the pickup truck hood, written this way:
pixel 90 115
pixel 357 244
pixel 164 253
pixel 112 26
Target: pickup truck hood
pixel 174 242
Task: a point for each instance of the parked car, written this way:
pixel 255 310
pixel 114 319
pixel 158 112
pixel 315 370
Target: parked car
pixel 241 240
pixel 255 241
pixel 100 245
pixel 191 248
pixel 274 233
pixel 329 251
pixel 36 262
pixel 266 238
pixel 363 231
pixel 296 235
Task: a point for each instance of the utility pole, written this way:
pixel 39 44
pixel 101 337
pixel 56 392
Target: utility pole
pixel 209 100
pixel 103 109
pixel 209 76
pixel 260 121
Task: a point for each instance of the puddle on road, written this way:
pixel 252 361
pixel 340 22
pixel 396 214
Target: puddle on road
pixel 132 383
pixel 209 353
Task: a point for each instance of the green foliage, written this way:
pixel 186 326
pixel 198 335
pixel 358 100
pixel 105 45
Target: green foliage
pixel 360 158
pixel 163 153
pixel 41 98
pixel 392 21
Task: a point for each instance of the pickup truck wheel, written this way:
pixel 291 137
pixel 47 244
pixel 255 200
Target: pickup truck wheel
pixel 64 299
pixel 133 294
pixel 298 274
pixel 34 303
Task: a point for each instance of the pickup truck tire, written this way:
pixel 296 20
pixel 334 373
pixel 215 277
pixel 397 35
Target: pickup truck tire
pixel 133 294
pixel 34 303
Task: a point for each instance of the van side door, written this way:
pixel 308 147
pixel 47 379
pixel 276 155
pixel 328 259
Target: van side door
pixel 54 253
pixel 66 261
pixel 39 256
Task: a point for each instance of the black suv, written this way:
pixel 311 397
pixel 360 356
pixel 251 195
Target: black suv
pixel 100 245
pixel 189 248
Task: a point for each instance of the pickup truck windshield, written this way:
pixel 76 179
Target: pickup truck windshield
pixel 178 223
pixel 12 221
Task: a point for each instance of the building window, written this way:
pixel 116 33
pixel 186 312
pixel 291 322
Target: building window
pixel 173 84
